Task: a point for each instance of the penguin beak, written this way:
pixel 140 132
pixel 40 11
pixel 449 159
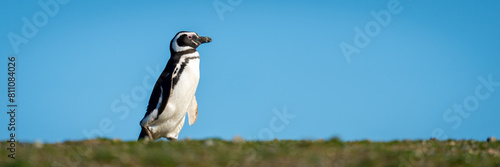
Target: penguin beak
pixel 204 39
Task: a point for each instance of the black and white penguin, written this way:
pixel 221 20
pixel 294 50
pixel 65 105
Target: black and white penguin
pixel 173 93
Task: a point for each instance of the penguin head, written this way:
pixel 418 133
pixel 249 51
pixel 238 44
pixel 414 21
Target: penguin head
pixel 187 40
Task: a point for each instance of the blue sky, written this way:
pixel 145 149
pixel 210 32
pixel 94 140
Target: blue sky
pixel 274 69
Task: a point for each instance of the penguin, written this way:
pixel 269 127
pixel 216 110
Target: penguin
pixel 174 92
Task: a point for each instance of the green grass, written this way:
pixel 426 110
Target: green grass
pixel 215 152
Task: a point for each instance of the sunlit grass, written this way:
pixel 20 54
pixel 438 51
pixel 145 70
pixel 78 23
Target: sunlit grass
pixel 216 152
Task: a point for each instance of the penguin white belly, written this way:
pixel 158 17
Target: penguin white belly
pixel 170 122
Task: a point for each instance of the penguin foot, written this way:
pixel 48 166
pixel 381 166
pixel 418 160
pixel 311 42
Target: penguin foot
pixel 149 133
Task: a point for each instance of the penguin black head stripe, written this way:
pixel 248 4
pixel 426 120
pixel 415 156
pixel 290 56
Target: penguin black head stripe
pixel 187 40
pixel 174 92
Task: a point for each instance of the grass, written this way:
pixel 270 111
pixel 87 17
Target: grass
pixel 216 152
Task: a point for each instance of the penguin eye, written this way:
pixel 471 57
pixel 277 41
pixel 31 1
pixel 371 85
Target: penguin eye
pixel 190 37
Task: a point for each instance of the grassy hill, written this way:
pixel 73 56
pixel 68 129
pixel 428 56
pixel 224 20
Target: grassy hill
pixel 215 152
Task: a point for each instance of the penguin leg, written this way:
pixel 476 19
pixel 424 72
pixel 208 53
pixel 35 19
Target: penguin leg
pixel 148 132
pixel 172 139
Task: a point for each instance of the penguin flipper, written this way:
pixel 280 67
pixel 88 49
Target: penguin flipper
pixel 161 93
pixel 193 111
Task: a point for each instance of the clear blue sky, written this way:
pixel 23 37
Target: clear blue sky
pixel 76 73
